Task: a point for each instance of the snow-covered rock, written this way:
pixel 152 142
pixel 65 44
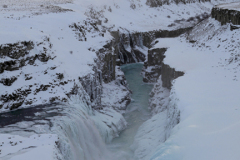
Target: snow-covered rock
pixel 201 112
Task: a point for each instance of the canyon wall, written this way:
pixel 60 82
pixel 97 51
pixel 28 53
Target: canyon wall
pixel 157 3
pixel 226 15
pixel 132 47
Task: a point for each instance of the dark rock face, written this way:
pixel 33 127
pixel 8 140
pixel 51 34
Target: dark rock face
pixel 15 99
pixel 104 71
pixel 226 16
pixel 19 53
pixel 126 47
pixel 155 67
pixel 157 3
pixel 82 29
pixel 16 50
pixel 169 74
pixel 156 56
pixel 8 81
pixel 92 84
pixel 20 59
pixel 106 62
pixel 233 27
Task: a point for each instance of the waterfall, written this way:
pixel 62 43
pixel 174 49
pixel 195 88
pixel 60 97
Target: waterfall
pixel 79 137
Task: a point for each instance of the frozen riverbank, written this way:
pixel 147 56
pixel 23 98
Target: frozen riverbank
pixel 136 113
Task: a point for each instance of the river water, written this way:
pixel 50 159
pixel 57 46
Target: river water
pixel 137 112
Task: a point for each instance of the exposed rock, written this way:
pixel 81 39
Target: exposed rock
pixel 129 47
pixel 16 105
pixel 152 68
pixel 16 50
pixel 22 59
pixel 15 99
pixel 116 94
pixel 226 15
pixel 126 47
pixel 60 76
pixel 81 29
pixel 156 56
pixel 157 3
pixel 92 85
pixel 11 65
pixel 169 74
pixel 233 27
pixel 42 88
pixel 155 67
pixel 8 81
pixel 106 62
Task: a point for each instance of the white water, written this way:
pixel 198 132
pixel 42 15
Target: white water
pixel 137 112
pixel 79 137
pixel 75 125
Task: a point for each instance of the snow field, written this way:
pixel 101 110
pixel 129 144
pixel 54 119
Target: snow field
pixel 41 146
pixel 206 97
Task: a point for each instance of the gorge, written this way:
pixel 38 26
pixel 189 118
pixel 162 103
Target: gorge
pixel 91 80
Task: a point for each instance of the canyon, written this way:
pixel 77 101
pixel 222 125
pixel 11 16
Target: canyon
pixel 131 80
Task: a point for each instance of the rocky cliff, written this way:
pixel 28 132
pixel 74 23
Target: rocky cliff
pixel 131 47
pixel 19 59
pixel 157 3
pixel 154 67
pixel 227 13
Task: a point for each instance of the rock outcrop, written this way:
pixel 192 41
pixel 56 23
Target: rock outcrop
pixel 18 55
pixel 154 67
pixel 169 74
pixel 157 3
pixel 128 47
pixel 132 47
pixel 227 13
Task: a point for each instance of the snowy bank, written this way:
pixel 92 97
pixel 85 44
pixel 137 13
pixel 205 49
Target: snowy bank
pixel 206 95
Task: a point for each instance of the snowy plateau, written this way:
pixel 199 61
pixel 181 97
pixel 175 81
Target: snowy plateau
pixel 119 79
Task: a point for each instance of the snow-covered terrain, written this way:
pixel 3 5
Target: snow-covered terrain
pixel 32 147
pixel 232 6
pixel 59 53
pixel 206 97
pixel 55 47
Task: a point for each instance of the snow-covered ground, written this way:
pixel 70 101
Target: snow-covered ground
pixel 230 6
pixel 69 54
pixel 38 147
pixel 206 95
pixel 66 51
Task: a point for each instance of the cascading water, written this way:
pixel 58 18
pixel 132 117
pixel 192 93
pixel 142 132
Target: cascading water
pixel 137 112
pixel 79 137
pixel 79 127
